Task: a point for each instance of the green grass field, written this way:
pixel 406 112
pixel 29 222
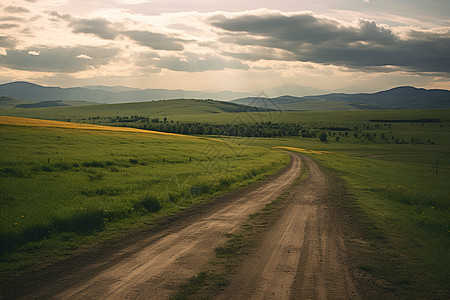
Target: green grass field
pixel 172 109
pixel 405 205
pixel 390 168
pixel 187 110
pixel 64 187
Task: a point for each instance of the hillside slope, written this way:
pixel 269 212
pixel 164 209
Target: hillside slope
pixel 10 102
pixel 151 109
pixel 396 98
pixel 34 92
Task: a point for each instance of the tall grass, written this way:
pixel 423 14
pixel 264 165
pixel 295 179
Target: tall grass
pixel 65 187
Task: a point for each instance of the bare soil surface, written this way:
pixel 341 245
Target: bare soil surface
pixel 151 265
pixel 311 252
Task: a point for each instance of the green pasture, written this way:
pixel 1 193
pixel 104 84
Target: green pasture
pixel 404 204
pixel 172 109
pixel 407 206
pixel 62 188
pixel 398 176
pixel 214 117
pixel 219 112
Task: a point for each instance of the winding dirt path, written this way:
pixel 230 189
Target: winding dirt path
pixel 304 256
pixel 152 266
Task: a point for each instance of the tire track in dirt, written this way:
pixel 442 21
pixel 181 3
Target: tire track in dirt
pixel 154 266
pixel 303 256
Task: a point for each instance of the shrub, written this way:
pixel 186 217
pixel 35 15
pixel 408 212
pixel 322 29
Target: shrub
pixel 224 182
pixel 195 191
pixel 61 166
pixel 11 172
pixel 46 169
pixel 94 176
pixel 94 163
pixel 7 242
pixel 35 233
pixel 151 203
pixel 133 161
pixel 109 191
pixel 114 169
pixel 82 221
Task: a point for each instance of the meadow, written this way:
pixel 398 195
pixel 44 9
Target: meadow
pixel 396 165
pixel 402 200
pixel 65 185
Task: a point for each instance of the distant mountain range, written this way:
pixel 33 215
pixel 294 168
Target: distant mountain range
pixel 293 90
pixel 33 92
pixel 405 97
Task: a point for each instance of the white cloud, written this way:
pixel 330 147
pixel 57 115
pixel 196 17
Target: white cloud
pixel 84 56
pixel 240 49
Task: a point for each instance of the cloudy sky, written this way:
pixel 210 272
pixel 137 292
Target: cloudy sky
pixel 239 45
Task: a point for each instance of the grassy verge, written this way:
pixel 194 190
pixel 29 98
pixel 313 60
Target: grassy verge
pixel 406 209
pixel 208 282
pixel 67 187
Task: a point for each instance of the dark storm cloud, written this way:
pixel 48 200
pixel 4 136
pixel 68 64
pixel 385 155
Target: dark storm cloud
pixel 15 10
pixel 365 45
pixel 106 30
pixel 191 62
pixel 99 27
pixel 7 42
pixel 259 53
pixel 156 41
pixel 64 60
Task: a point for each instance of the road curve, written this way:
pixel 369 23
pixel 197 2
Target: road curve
pixel 155 265
pixel 303 256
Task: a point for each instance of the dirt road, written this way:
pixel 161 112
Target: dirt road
pixel 303 256
pixel 152 266
pixel 309 252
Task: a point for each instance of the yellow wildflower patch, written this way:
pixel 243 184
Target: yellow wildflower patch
pixel 301 150
pixel 17 121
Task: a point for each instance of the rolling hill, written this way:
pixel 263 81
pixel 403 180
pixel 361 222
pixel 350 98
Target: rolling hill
pixel 33 92
pixel 155 109
pixel 11 102
pixel 397 98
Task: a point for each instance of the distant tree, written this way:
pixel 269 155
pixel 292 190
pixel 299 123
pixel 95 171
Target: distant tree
pixel 185 129
pixel 200 129
pixel 323 137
